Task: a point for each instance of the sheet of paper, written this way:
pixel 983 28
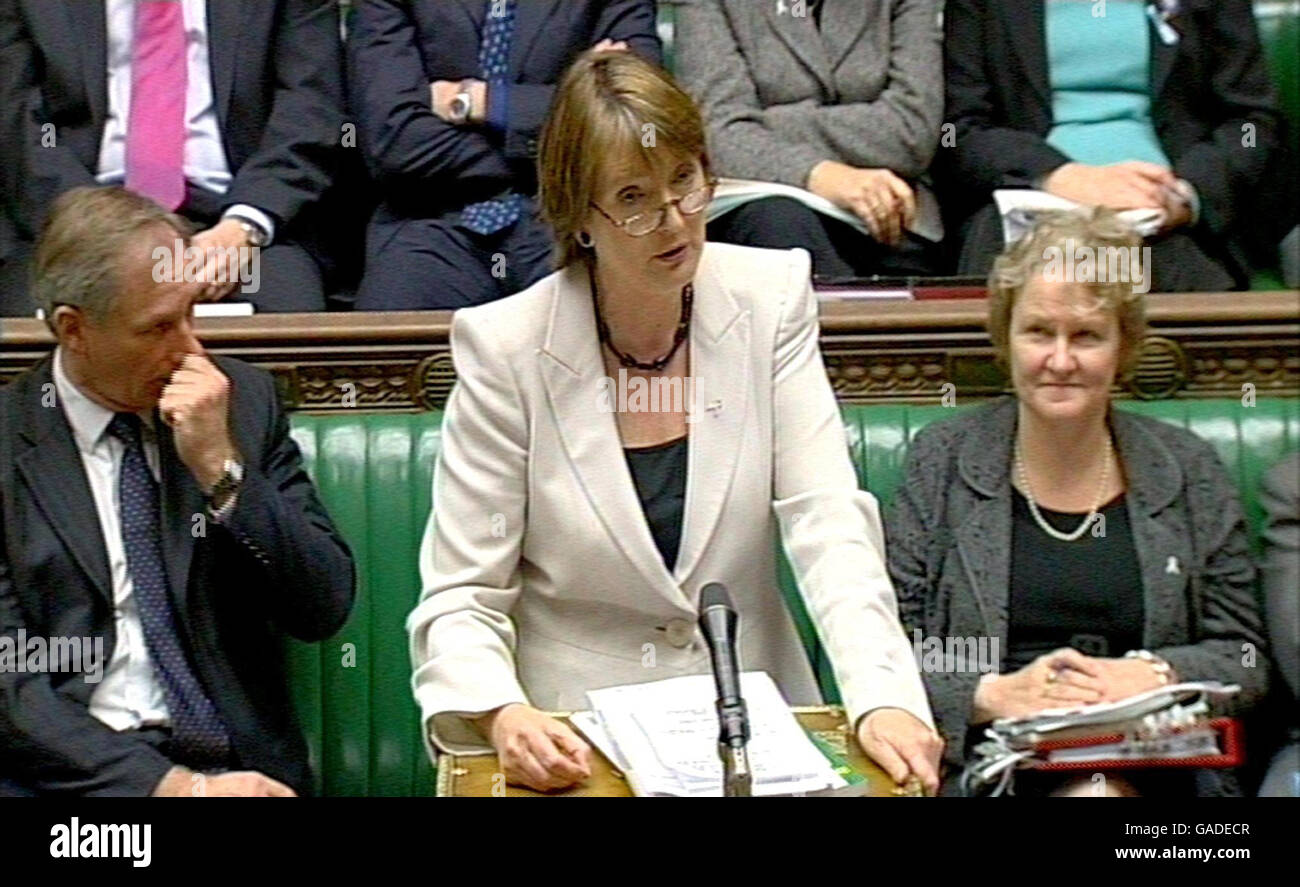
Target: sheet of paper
pixel 223 309
pixel 666 734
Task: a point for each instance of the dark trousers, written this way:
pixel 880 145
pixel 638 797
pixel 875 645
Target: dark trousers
pixel 416 264
pixel 838 249
pixel 290 277
pixel 1182 261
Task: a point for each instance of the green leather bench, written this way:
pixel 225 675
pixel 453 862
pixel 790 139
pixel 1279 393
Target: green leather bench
pixel 374 473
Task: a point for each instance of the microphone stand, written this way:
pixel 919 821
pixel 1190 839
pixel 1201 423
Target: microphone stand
pixel 737 778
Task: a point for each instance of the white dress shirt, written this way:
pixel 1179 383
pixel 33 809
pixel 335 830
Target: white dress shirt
pixel 130 694
pixel 205 163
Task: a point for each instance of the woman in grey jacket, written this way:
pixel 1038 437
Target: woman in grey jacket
pixel 842 98
pixel 1105 553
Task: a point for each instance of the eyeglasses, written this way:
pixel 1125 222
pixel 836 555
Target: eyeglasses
pixel 649 222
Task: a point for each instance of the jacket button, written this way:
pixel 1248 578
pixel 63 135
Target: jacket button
pixel 680 633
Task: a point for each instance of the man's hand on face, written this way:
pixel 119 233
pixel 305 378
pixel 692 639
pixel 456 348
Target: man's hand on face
pixel 196 404
pixel 222 269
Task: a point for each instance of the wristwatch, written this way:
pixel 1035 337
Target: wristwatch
pixel 1163 670
pixel 221 499
pixel 256 236
pixel 462 105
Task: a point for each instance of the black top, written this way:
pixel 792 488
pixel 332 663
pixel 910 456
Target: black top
pixel 1085 594
pixel 659 473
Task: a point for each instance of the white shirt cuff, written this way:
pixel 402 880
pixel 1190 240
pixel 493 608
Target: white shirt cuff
pixel 254 215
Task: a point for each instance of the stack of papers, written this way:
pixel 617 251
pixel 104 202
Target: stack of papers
pixel 1153 713
pixel 663 736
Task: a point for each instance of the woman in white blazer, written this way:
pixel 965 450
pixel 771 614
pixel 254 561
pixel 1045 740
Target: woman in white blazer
pixel 575 522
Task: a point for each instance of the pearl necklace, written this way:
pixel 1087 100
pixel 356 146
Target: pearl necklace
pixel 1093 513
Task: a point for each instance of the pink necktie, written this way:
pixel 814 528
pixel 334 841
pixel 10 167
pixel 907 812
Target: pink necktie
pixel 155 131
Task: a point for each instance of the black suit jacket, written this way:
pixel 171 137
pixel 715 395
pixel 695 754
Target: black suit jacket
pixel 277 83
pixel 396 48
pixel 1204 89
pixel 277 566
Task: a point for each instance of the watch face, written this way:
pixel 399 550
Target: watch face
pixel 460 106
pixel 256 237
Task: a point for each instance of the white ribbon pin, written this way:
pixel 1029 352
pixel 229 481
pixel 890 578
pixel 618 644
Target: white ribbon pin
pixel 1172 566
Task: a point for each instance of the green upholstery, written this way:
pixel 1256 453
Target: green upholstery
pixel 1279 32
pixel 374 474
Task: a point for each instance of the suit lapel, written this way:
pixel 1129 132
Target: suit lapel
pixel 1164 555
pixel 1163 57
pixel 719 404
pixel 983 538
pixel 530 16
pixel 52 469
pixel 225 36
pixel 802 37
pixel 843 24
pixel 572 371
pixel 181 500
pixel 89 36
pixel 986 558
pixel 1026 27
pixel 474 10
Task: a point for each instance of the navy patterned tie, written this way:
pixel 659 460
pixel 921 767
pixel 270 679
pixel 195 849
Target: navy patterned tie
pixel 492 216
pixel 199 737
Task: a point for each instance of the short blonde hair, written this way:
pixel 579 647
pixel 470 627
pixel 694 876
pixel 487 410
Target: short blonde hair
pixel 1054 238
pixel 609 105
pixel 82 245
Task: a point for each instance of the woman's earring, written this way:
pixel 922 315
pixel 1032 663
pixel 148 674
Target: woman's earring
pixel 584 240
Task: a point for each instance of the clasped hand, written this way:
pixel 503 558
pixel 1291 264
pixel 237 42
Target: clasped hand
pixel 1061 679
pixel 884 202
pixel 1132 184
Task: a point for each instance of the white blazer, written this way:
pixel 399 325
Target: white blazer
pixel 541 579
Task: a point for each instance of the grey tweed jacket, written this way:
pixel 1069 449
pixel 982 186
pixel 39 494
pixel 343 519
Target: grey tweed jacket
pixel 948 544
pixel 780 96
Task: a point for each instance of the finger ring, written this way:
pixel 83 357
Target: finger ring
pixel 1052 675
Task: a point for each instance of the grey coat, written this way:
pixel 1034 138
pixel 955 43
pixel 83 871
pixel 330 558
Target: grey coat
pixel 949 550
pixel 779 96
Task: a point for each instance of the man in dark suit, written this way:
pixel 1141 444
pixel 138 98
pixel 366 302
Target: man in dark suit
pixel 450 96
pixel 151 500
pixel 229 111
pixel 1208 114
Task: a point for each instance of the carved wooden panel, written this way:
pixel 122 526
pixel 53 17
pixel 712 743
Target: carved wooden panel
pixel 1200 345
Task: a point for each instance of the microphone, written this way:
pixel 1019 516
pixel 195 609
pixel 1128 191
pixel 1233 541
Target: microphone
pixel 718 621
